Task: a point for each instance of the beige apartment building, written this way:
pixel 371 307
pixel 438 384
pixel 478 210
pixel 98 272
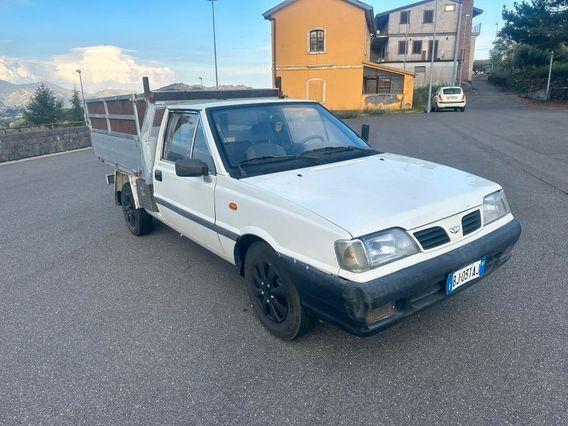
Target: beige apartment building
pixel 404 40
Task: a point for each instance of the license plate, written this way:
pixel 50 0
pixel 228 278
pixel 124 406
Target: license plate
pixel 465 275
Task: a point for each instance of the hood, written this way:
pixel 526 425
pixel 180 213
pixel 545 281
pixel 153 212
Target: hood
pixel 383 191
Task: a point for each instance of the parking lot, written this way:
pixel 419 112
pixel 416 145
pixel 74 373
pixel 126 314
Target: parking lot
pixel 98 326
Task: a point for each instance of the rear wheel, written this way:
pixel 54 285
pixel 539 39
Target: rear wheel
pixel 462 109
pixel 272 294
pixel 139 222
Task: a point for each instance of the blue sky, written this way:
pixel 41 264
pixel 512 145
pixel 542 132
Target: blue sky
pixel 114 41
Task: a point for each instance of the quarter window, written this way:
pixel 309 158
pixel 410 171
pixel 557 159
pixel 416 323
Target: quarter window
pixel 317 41
pixel 181 128
pixel 428 16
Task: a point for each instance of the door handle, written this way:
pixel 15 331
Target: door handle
pixel 158 175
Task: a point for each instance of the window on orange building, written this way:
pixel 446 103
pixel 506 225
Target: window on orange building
pixel 317 41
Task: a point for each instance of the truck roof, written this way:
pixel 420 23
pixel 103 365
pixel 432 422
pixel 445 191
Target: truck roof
pixel 231 102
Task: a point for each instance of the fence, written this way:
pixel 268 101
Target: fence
pixel 40 127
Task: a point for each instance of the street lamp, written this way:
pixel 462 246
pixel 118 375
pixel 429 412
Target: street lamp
pixel 200 81
pixel 82 96
pixel 214 43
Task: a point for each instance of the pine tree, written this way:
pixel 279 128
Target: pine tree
pixel 44 107
pixel 75 113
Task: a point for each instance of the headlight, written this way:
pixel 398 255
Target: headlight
pixel 495 206
pixel 374 250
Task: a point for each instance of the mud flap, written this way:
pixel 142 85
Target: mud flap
pixel 143 194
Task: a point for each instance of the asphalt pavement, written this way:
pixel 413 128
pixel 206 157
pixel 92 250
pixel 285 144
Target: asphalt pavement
pixel 98 326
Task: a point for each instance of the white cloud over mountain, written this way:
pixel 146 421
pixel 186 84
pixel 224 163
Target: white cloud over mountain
pixel 103 67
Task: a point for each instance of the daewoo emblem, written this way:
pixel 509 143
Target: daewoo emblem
pixel 455 229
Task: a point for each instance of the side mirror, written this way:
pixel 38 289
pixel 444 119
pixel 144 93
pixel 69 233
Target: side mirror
pixel 365 132
pixel 191 168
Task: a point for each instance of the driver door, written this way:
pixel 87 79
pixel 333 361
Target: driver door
pixel 187 204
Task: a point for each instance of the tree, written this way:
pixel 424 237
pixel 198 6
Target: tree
pixel 542 24
pixel 75 113
pixel 44 107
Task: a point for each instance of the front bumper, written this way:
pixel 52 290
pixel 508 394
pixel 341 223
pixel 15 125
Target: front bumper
pixel 347 304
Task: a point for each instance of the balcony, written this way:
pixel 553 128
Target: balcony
pixel 476 30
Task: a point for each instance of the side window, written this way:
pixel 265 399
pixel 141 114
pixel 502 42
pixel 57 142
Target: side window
pixel 181 128
pixel 201 150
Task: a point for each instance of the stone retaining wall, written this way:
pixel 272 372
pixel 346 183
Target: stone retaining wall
pixel 31 144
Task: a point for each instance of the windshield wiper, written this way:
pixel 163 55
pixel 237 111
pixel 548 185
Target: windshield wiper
pixel 333 149
pixel 268 159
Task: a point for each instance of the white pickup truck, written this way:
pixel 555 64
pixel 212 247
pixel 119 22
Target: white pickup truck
pixel 320 225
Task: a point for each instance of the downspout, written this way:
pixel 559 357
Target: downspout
pixel 273 28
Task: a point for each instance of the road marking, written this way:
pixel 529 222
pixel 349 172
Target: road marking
pixel 21 160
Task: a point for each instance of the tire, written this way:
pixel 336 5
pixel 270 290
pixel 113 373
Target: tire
pixel 462 109
pixel 281 313
pixel 139 222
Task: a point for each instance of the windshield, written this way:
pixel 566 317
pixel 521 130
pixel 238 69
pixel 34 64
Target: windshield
pixel 258 139
pixel 452 91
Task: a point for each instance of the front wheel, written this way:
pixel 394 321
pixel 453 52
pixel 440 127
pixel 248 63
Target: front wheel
pixel 139 222
pixel 462 109
pixel 272 294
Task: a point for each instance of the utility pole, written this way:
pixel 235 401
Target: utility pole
pixel 457 47
pixel 432 54
pixel 83 96
pixel 549 76
pixel 200 81
pixel 214 43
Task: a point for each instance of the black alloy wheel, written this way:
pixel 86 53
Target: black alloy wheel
pixel 273 296
pixel 139 222
pixel 270 293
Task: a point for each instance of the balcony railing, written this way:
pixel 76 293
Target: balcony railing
pixel 476 30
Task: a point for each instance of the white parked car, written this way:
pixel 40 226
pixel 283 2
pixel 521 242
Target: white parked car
pixel 449 98
pixel 320 224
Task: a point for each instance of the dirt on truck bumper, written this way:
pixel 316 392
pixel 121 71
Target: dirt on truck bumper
pixel 368 308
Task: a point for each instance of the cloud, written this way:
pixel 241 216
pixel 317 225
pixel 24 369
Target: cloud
pixel 103 67
pixel 15 70
pixel 108 67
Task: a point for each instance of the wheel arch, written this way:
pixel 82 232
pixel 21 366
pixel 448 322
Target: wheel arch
pixel 241 248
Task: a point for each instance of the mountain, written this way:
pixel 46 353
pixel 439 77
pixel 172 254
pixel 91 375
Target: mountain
pixel 195 87
pixel 109 92
pixel 18 95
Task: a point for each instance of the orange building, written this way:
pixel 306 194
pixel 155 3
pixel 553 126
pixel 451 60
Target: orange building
pixel 321 51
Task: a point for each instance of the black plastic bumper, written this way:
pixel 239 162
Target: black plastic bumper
pixel 347 304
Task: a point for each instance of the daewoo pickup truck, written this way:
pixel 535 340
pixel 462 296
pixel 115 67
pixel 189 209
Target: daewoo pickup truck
pixel 319 224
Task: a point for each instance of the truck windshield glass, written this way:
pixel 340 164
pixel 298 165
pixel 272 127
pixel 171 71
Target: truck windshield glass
pixel 257 139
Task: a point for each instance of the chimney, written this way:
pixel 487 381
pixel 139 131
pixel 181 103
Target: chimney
pixel 465 40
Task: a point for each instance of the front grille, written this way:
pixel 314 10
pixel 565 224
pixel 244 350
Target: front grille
pixel 432 237
pixel 471 222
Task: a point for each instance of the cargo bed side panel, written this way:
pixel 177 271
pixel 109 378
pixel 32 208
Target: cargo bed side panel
pixel 120 151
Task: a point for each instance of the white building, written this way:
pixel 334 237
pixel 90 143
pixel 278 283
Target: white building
pixel 404 40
